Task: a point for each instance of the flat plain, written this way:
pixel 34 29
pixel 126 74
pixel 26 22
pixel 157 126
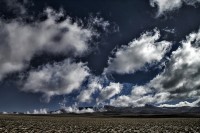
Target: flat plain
pixel 87 124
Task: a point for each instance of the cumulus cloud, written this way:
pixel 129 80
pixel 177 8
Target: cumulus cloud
pixel 21 41
pixel 56 79
pixel 5 113
pixel 170 5
pixel 40 111
pixel 165 5
pixel 140 96
pixel 27 112
pixel 109 91
pixel 75 109
pixel 140 90
pixel 93 86
pixel 181 75
pixel 179 80
pixel 98 90
pixel 140 52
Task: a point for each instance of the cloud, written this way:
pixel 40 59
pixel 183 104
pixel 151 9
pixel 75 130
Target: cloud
pixel 140 90
pixel 98 90
pixel 181 75
pixel 27 112
pixel 4 113
pixel 15 6
pixel 171 31
pixel 99 22
pixel 140 96
pixel 191 2
pixel 40 111
pixel 75 109
pixel 166 5
pixel 147 49
pixel 109 91
pixel 179 80
pixel 182 104
pixel 93 86
pixel 170 5
pixel 21 41
pixel 56 79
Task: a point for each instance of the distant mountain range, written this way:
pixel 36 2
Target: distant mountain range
pixel 145 110
pixel 148 110
pixel 152 110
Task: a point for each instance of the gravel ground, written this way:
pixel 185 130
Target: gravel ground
pixel 54 124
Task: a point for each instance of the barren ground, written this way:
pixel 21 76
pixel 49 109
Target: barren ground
pixel 78 124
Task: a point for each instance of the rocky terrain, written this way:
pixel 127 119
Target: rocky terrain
pixel 81 124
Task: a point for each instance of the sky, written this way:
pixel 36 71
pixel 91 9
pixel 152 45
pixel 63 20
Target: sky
pixel 67 53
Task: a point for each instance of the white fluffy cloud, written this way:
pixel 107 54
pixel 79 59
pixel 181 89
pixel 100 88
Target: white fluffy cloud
pixel 19 41
pixel 93 86
pixel 170 5
pixel 144 50
pixel 4 113
pixel 166 5
pixel 56 79
pixel 75 109
pixel 109 91
pixel 99 89
pixel 181 76
pixel 180 79
pixel 40 111
pixel 140 96
pixel 140 90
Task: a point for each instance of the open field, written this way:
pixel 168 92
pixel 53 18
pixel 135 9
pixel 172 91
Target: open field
pixel 78 124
